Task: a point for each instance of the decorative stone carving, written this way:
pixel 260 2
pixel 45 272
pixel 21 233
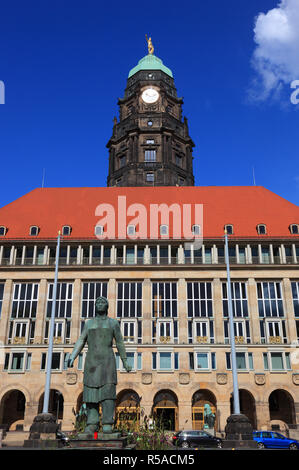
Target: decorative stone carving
pixel 221 378
pixel 260 379
pixel 146 378
pixel 184 378
pixel 296 379
pixel 71 378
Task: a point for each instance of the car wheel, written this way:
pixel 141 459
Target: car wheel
pixel 260 445
pixel 293 446
pixel 185 445
pixel 219 445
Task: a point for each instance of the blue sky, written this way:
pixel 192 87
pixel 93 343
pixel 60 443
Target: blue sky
pixel 65 64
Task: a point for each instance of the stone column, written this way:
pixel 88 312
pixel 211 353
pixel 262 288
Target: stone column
pixel 289 310
pixel 41 311
pixel 76 311
pixel 111 294
pixel 185 414
pixel 5 313
pixel 147 313
pixel 182 311
pixel 68 415
pixel 223 410
pixel 218 311
pixel 262 415
pixel 253 311
pixel 31 410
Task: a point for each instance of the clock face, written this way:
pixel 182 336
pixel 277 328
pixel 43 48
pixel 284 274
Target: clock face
pixel 150 95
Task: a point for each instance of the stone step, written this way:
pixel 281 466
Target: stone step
pixel 15 438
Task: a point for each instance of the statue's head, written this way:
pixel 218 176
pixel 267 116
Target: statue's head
pixel 101 305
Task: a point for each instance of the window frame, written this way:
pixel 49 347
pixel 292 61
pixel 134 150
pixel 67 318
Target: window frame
pixel 69 230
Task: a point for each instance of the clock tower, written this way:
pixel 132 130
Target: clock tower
pixel 150 144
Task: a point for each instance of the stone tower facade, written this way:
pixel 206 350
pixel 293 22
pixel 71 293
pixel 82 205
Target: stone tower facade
pixel 150 144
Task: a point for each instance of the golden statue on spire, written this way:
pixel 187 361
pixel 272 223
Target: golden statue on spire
pixel 149 45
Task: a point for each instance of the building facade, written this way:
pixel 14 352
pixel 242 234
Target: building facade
pixel 157 254
pixel 170 299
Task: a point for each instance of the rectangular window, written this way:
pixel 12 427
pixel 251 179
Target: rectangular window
pixel 244 361
pixel 64 299
pixel 56 361
pixel 239 299
pixel 131 331
pixel 200 331
pixel 134 359
pixel 90 292
pixel 164 299
pixel 122 161
pixel 150 155
pixel 17 362
pixel 1 296
pixel 24 301
pixel 265 254
pixel 270 301
pixel 241 332
pixel 199 299
pixel 165 331
pixel 150 177
pixel 202 361
pixel 295 292
pixel 129 299
pixel 277 361
pixel 165 361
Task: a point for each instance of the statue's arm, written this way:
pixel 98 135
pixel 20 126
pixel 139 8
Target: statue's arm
pixel 79 345
pixel 120 346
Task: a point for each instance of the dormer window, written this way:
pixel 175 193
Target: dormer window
pixel 3 231
pixel 164 230
pixel 294 229
pixel 261 229
pixel 229 229
pixel 99 230
pixel 66 230
pixel 34 229
pixel 196 229
pixel 131 230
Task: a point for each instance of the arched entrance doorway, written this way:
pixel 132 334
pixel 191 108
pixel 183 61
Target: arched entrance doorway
pixel 247 406
pixel 12 409
pixel 204 400
pixel 56 402
pixel 281 407
pixel 165 410
pixel 127 410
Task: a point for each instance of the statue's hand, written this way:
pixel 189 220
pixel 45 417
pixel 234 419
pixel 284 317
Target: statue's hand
pixel 127 366
pixel 69 361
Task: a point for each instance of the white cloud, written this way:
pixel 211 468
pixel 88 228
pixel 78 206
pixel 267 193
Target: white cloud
pixel 276 56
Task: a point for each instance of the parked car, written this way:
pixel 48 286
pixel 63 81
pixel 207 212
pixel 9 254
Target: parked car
pixel 186 439
pixel 274 440
pixel 63 437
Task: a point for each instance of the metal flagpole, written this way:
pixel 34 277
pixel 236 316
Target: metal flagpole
pixel 51 333
pixel 231 332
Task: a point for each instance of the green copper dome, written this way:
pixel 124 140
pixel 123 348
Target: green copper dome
pixel 150 62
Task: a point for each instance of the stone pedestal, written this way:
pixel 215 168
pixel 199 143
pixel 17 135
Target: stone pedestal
pixel 238 433
pixel 43 433
pixel 99 440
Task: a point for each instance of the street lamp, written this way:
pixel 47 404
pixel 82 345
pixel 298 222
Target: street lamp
pixel 236 399
pixel 51 333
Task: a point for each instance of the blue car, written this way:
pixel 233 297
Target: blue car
pixel 274 440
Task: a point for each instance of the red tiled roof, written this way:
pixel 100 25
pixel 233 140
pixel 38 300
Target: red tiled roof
pixel 242 206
